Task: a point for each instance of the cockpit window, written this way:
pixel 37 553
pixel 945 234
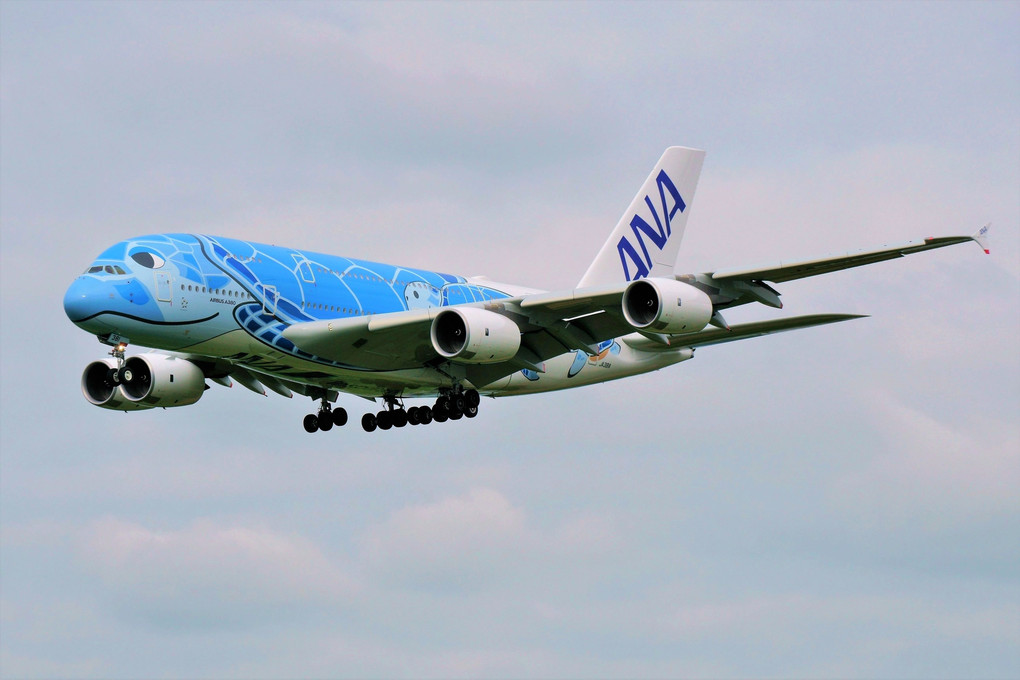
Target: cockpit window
pixel 148 259
pixel 106 269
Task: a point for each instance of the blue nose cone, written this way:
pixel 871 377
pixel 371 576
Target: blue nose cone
pixel 86 297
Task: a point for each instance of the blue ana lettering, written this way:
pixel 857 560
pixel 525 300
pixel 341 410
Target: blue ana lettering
pixel 626 250
pixel 658 235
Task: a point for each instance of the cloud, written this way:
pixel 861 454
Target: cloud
pixel 759 627
pixel 476 540
pixel 454 542
pixel 932 473
pixel 208 574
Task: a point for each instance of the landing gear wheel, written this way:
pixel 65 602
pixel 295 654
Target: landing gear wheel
pixel 456 415
pixel 471 411
pixel 368 423
pixel 384 420
pixel 457 403
pixel 424 415
pixel 311 423
pixel 412 416
pixel 339 417
pixel 325 420
pixel 440 416
pixel 442 404
pixel 399 417
pixel 473 398
pixel 124 375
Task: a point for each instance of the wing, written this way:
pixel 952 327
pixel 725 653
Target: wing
pixel 717 336
pixel 381 342
pixel 550 324
pixel 554 323
pixel 736 286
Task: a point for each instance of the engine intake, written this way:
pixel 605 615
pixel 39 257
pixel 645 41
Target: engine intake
pixel 161 380
pixel 100 387
pixel 666 306
pixel 475 336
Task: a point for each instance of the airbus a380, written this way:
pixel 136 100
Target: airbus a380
pixel 293 321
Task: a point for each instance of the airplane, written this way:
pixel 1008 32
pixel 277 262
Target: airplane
pixel 298 322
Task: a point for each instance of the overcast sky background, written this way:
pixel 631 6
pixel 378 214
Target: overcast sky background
pixel 832 502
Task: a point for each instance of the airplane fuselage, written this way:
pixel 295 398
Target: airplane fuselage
pixel 231 299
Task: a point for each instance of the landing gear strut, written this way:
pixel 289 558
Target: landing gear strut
pixel 393 415
pixel 118 375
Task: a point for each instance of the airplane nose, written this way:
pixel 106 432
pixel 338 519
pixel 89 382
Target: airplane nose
pixel 83 298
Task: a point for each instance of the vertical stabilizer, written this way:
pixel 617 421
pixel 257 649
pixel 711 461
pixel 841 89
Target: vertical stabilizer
pixel 647 239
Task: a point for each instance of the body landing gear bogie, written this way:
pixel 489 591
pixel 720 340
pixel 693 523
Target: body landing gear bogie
pixel 452 404
pixel 325 419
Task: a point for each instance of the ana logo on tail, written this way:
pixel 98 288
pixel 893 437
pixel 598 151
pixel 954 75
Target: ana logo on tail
pixel 640 226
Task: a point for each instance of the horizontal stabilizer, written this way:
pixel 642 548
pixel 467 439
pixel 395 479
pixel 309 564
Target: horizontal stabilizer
pixel 716 336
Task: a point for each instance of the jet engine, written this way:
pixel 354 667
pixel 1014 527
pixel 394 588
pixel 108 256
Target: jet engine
pixel 666 306
pixel 152 380
pixel 100 386
pixel 475 336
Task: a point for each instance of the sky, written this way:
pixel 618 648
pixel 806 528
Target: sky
pixel 827 503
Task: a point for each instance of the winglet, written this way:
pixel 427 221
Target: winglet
pixel 981 238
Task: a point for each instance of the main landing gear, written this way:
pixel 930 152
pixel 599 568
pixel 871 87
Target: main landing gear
pixel 452 405
pixel 325 419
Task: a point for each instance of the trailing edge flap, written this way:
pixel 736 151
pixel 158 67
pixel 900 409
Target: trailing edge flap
pixel 716 336
pixel 788 271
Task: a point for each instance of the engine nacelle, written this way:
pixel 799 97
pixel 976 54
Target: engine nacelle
pixel 161 380
pixel 475 336
pixel 666 306
pixel 100 387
